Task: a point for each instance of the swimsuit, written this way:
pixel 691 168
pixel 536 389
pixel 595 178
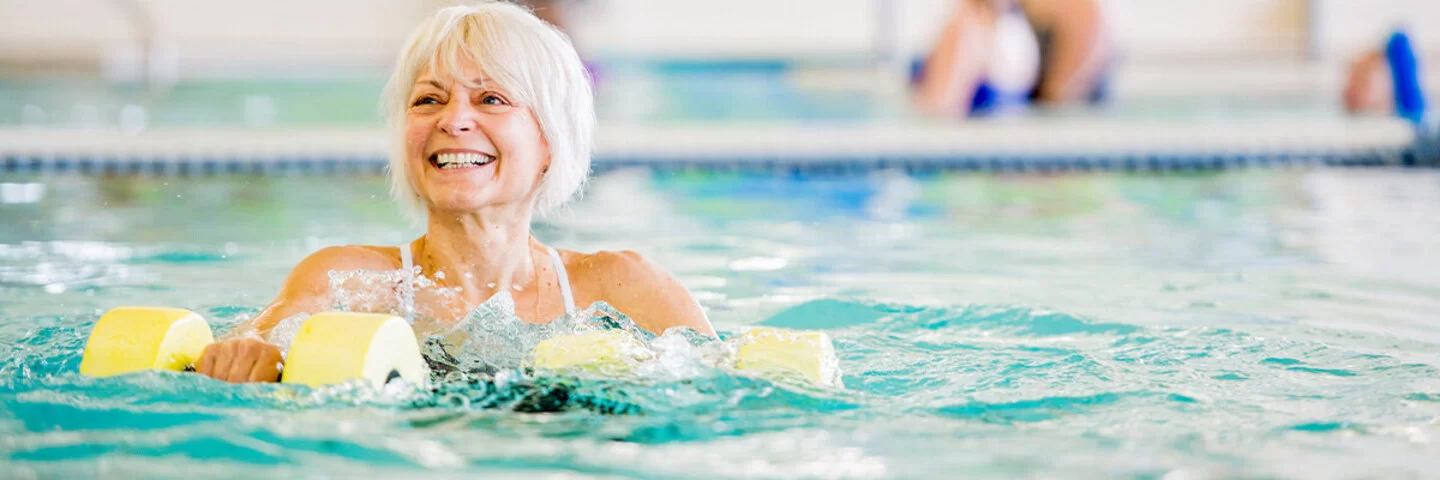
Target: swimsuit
pixel 491 337
pixel 407 293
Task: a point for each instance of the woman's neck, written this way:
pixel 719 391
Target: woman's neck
pixel 480 252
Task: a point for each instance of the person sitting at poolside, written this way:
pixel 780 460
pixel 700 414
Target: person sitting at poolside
pixel 1386 80
pixel 994 55
pixel 491 115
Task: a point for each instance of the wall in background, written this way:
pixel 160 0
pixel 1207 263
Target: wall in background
pixel 367 31
pixel 288 37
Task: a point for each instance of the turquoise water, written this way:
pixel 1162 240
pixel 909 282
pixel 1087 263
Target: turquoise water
pixel 1238 324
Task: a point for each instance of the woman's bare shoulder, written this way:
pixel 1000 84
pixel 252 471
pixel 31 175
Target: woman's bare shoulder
pixel 307 288
pixel 610 269
pixel 638 287
pixel 313 272
pixel 354 257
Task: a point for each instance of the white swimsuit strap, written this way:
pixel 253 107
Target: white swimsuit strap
pixel 406 260
pixel 564 280
pixel 407 294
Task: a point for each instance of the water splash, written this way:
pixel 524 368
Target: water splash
pixel 491 340
pixel 407 294
pixel 284 331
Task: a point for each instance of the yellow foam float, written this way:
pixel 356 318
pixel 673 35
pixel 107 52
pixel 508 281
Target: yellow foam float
pixel 602 351
pixel 764 351
pixel 131 339
pixel 809 354
pixel 335 347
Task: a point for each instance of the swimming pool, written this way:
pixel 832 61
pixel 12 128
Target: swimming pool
pixel 1270 322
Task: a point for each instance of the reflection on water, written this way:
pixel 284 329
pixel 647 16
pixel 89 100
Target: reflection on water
pixel 1262 323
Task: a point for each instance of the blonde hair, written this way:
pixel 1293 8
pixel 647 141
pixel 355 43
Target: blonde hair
pixel 532 60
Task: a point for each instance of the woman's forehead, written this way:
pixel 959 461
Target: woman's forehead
pixel 443 81
pixel 442 72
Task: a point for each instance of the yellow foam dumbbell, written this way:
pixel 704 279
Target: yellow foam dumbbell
pixel 769 352
pixel 809 354
pixel 132 339
pixel 335 347
pixel 331 347
pixel 609 352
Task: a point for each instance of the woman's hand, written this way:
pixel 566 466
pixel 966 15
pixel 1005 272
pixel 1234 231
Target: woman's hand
pixel 241 360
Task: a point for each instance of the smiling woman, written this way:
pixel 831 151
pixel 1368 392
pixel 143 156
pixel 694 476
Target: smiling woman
pixel 491 115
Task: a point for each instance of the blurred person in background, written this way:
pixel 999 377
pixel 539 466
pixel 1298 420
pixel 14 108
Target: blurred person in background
pixel 998 55
pixel 1386 80
pixel 554 12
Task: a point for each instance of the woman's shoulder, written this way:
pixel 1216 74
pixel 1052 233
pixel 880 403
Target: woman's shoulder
pixel 637 286
pixel 614 275
pixel 310 279
pixel 353 257
pixel 612 268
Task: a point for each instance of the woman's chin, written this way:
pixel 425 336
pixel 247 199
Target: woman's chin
pixel 446 200
pixel 462 205
pixel 456 207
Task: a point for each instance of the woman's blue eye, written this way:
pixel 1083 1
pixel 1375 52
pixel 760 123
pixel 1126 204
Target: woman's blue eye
pixel 425 101
pixel 492 100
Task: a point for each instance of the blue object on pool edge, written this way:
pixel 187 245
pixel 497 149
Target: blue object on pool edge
pixel 1405 73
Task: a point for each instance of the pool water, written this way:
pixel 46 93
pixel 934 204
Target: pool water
pixel 1244 323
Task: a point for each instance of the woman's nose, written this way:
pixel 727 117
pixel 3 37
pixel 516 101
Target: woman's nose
pixel 458 117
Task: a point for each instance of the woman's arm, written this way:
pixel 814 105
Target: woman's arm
pixel 648 294
pixel 307 288
pixel 242 356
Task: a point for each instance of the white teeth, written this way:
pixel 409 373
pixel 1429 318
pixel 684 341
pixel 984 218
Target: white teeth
pixel 461 160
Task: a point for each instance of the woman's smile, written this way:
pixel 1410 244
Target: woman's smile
pixel 462 160
pixel 451 158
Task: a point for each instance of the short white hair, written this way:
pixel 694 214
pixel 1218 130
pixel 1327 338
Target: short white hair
pixel 532 60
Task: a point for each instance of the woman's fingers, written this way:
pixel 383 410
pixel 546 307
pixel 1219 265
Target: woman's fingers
pixel 220 366
pixel 207 360
pixel 240 360
pixel 266 368
pixel 240 366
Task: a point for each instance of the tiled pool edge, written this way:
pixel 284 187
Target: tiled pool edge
pixel 1037 146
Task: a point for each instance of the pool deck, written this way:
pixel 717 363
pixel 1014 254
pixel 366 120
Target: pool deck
pixel 1015 144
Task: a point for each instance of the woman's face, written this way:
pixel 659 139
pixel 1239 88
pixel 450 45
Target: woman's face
pixel 469 149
